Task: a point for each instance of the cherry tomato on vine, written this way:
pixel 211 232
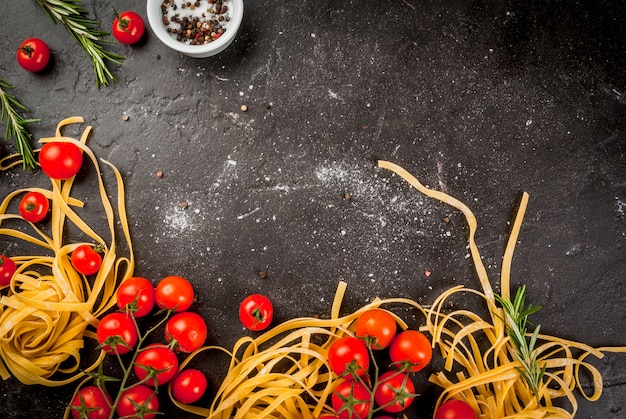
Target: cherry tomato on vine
pixel 33 54
pixel 174 293
pixel 139 293
pixel 395 391
pixel 189 386
pixel 128 27
pixel 348 356
pixel 188 329
pixel 86 259
pixel 351 400
pixel 160 360
pixel 410 349
pixel 455 409
pixel 117 332
pixel 328 417
pixel 91 402
pixel 60 160
pixel 34 207
pixel 256 312
pixel 136 402
pixel 7 269
pixel 377 327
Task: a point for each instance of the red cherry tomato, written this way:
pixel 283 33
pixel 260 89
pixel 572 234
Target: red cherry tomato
pixel 256 312
pixel 188 329
pixel 33 54
pixel 174 293
pixel 395 391
pixel 86 259
pixel 348 356
pixel 60 160
pixel 128 27
pixel 455 409
pixel 160 360
pixel 411 350
pixel 139 293
pixel 117 332
pixel 328 417
pixel 91 402
pixel 351 400
pixel 189 386
pixel 34 207
pixel 7 269
pixel 137 402
pixel 377 327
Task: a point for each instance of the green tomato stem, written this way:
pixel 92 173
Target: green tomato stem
pixel 127 371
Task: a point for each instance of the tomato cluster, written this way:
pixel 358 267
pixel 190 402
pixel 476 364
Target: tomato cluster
pixel 151 365
pixel 362 390
pixel 361 393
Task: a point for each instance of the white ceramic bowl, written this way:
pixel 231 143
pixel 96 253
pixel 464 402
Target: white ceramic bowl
pixel 155 18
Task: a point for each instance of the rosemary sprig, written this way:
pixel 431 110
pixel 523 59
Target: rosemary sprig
pixel 516 319
pixel 84 30
pixel 16 124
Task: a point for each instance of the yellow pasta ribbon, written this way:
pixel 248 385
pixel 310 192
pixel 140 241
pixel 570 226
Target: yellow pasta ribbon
pixel 49 307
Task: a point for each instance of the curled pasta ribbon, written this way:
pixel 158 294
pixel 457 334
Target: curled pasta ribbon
pixel 489 377
pixel 284 373
pixel 50 308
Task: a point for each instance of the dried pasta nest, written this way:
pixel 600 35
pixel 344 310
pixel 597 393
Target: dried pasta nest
pixel 49 308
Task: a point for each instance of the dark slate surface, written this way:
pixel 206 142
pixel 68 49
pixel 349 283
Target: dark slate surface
pixel 484 99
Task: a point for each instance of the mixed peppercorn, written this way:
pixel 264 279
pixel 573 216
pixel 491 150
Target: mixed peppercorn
pixel 197 22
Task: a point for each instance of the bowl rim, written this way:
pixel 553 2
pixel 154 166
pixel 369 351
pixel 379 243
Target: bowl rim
pixel 153 8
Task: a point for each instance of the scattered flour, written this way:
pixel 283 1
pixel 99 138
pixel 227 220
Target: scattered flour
pixel 178 221
pixel 381 216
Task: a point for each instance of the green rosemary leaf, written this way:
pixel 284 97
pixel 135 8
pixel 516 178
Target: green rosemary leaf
pixel 73 17
pixel 16 124
pixel 516 319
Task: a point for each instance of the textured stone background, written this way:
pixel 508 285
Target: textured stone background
pixel 483 99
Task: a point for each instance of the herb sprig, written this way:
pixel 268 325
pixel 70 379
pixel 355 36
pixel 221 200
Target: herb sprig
pixel 516 319
pixel 84 30
pixel 16 124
